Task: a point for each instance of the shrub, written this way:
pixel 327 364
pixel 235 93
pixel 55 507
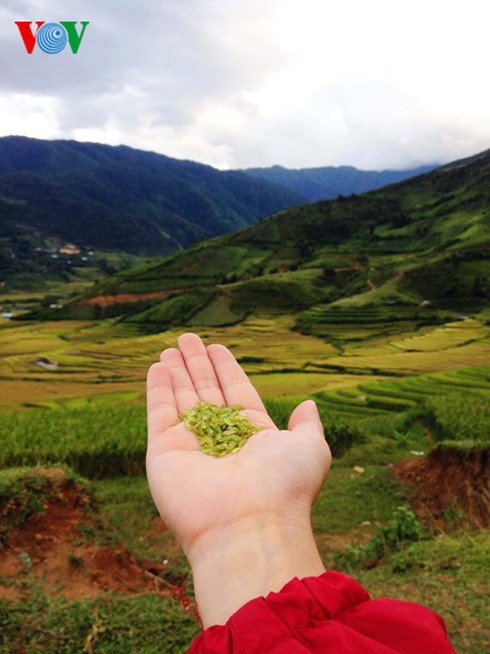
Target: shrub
pixel 25 491
pixel 401 529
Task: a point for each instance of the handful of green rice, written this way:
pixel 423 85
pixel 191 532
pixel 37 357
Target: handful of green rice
pixel 220 430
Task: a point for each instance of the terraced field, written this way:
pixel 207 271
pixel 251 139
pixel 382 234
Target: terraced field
pixel 400 394
pixel 95 358
pixel 355 368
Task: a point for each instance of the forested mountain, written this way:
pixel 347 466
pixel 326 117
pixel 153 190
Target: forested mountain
pixel 117 198
pixel 327 183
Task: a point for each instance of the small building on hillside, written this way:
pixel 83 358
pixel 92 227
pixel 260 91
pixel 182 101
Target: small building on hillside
pixel 69 248
pixel 46 364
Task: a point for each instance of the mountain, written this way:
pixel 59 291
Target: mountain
pixel 117 198
pixel 412 249
pixel 329 182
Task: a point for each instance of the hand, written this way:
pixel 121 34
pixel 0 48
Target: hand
pixel 217 505
pixel 276 473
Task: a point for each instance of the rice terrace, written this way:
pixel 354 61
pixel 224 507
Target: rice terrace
pixel 374 305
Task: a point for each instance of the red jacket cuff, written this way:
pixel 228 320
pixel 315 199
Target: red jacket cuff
pixel 329 614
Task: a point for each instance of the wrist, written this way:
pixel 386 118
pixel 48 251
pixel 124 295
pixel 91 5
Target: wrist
pixel 248 559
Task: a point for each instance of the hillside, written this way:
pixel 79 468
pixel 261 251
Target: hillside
pixel 115 199
pixel 327 183
pixel 422 245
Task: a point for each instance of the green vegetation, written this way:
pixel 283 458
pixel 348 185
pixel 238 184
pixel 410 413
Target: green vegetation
pixel 353 507
pixel 176 309
pixel 402 528
pixel 398 394
pixel 109 625
pixel 459 418
pixel 448 574
pixel 412 253
pixel 354 498
pixel 357 522
pixel 94 442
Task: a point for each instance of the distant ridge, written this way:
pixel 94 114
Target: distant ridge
pixel 119 197
pixel 327 183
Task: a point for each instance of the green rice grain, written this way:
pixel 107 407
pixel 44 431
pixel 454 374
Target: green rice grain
pixel 220 430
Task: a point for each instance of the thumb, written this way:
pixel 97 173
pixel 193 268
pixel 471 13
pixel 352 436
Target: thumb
pixel 306 418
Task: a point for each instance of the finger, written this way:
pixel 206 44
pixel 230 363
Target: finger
pixel 182 386
pixel 305 421
pixel 200 369
pixel 236 386
pixel 305 418
pixel 161 407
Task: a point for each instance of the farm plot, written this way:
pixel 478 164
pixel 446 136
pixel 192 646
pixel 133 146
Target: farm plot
pixel 397 394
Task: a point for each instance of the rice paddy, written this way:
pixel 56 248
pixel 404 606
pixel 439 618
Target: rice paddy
pixel 109 358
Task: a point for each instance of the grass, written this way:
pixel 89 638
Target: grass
pixel 350 498
pixel 22 493
pixel 448 574
pixel 128 513
pixel 51 625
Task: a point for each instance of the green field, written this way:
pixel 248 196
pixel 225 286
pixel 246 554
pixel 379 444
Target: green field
pixel 387 391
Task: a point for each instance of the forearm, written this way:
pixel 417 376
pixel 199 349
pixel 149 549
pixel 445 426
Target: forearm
pixel 250 559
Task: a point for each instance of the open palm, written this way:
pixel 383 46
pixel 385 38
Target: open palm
pixel 276 473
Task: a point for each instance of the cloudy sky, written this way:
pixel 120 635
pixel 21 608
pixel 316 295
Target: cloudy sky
pixel 238 83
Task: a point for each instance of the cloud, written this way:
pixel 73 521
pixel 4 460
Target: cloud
pixel 238 83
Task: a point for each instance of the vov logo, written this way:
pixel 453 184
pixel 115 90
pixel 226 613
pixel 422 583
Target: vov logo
pixel 52 37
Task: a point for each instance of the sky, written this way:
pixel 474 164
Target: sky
pixel 239 83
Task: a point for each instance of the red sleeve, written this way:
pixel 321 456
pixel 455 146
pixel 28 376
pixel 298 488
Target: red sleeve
pixel 330 614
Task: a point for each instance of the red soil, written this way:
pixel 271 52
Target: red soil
pixel 49 548
pixel 449 478
pixel 106 300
